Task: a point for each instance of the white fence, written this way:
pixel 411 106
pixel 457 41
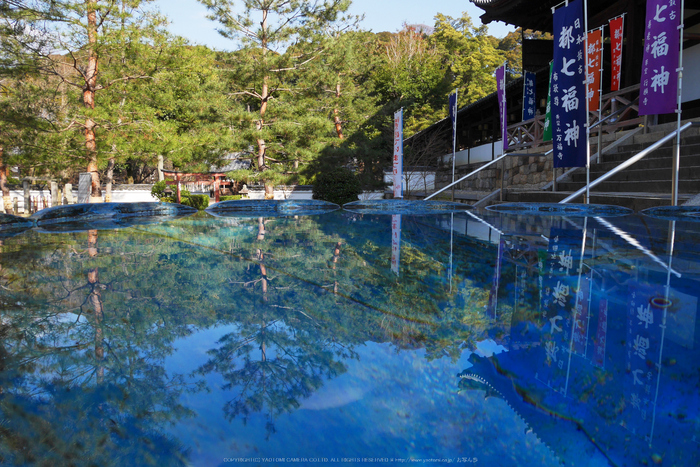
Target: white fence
pixel 142 194
pixel 413 180
pixel 483 153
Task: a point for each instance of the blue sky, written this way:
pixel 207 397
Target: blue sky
pixel 188 17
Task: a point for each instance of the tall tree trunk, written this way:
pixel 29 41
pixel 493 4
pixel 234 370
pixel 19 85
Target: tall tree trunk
pixel 336 117
pixel 7 202
pixel 89 101
pixel 264 97
pixel 110 175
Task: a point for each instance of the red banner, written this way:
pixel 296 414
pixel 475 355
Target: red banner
pixel 617 27
pixel 594 60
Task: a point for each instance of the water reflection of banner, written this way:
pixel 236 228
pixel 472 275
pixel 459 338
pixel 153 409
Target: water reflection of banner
pixel 547 135
pixel 398 153
pixel 601 335
pixel 644 341
pixel 395 243
pixel 558 305
pixel 568 89
pixel 594 63
pixel 581 326
pixel 529 97
pixel 617 26
pixel 503 111
pixel 659 84
pixel 492 305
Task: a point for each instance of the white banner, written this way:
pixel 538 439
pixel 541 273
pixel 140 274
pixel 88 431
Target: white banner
pixel 398 153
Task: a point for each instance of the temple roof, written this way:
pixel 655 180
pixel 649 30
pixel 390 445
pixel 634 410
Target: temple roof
pixel 528 14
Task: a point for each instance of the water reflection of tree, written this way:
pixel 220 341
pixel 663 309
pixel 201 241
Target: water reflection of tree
pixel 280 353
pixel 82 378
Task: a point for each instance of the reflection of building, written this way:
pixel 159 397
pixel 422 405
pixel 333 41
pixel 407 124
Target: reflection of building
pixel 624 375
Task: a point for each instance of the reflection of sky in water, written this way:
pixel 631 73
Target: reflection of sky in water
pixel 355 335
pixel 390 403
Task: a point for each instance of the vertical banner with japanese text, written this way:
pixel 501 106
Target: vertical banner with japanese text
pixel 547 134
pixel 395 243
pixel 659 85
pixel 594 63
pixel 529 97
pixel 398 153
pixel 452 100
pixel 502 111
pixel 617 26
pixel 568 90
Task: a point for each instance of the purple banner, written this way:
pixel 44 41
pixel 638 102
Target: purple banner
pixel 529 98
pixel 659 85
pixel 568 90
pixel 503 112
pixel 453 114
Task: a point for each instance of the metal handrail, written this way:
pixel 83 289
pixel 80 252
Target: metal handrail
pixel 467 176
pixel 633 160
pixel 615 113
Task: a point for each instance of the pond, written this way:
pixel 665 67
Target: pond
pixel 503 338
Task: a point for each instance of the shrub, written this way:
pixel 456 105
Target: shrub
pixel 230 198
pixel 200 202
pixel 338 186
pixel 157 191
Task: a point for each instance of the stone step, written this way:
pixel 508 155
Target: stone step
pixel 660 131
pixel 633 174
pixel 666 151
pixel 647 163
pixel 647 186
pixel 634 201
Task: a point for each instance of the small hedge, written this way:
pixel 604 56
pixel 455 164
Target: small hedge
pixel 338 186
pixel 230 198
pixel 199 202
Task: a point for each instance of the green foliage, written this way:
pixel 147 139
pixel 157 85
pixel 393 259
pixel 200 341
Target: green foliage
pixel 230 198
pixel 157 191
pixel 339 186
pixel 303 92
pixel 200 202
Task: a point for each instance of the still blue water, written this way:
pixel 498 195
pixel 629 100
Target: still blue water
pixel 475 338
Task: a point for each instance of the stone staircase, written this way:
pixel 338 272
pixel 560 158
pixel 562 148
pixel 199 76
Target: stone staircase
pixel 643 185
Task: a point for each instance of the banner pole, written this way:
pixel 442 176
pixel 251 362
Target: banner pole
pixel 588 126
pixel 677 149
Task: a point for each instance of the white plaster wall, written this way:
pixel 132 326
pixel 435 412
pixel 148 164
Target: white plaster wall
pixel 691 74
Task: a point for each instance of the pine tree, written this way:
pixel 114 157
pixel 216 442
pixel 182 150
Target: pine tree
pixel 267 82
pixel 88 50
